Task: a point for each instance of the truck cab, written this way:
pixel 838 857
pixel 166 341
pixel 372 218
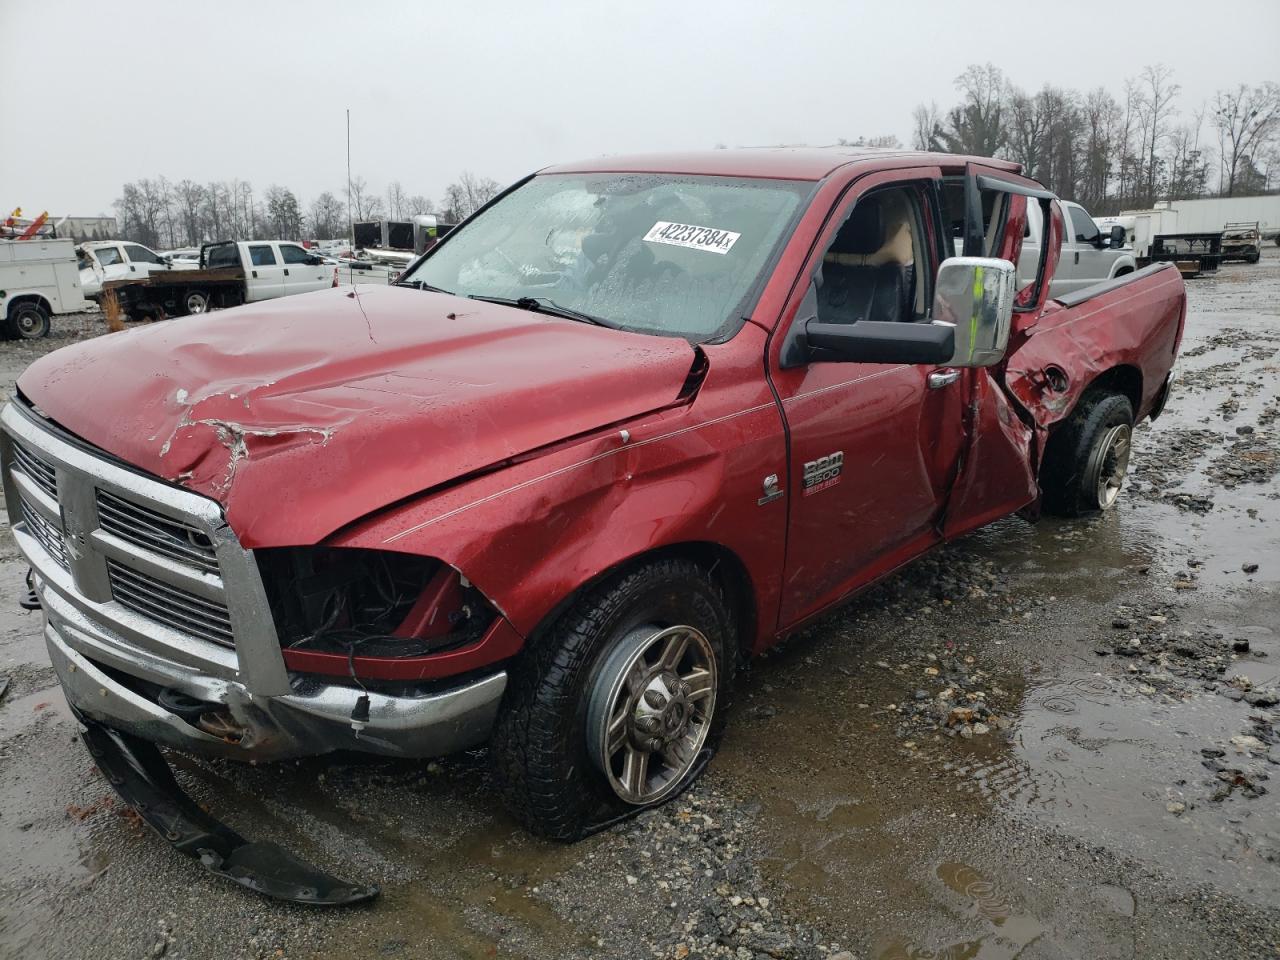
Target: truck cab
pixel 1088 256
pixel 101 261
pixel 272 268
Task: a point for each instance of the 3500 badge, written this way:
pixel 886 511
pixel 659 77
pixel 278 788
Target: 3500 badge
pixel 823 473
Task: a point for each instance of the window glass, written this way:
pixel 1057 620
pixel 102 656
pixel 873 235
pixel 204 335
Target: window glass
pixel 877 266
pixel 953 214
pixel 140 254
pixel 108 256
pixel 653 253
pixel 223 255
pixel 1082 225
pixel 291 254
pixel 262 256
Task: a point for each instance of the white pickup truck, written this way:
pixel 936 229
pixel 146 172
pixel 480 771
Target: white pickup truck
pixel 102 261
pixel 230 272
pixel 38 278
pixel 1088 256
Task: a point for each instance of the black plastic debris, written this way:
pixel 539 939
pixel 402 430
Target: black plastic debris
pixel 140 774
pixel 30 600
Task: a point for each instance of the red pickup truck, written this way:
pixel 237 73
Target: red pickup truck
pixel 634 421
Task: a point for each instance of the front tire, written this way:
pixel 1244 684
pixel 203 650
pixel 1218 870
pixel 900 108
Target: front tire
pixel 1087 458
pixel 28 321
pixel 617 707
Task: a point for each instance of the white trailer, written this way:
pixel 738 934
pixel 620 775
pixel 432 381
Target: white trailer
pixel 38 278
pixel 1213 214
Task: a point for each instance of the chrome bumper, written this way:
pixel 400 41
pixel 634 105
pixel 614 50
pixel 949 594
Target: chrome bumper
pixel 112 661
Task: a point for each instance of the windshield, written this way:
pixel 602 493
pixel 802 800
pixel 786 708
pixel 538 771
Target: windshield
pixel 652 253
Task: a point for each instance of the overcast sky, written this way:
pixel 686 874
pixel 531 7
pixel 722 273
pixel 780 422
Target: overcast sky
pixel 96 94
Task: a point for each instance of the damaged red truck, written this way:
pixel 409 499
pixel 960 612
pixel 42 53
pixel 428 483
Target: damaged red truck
pixel 634 421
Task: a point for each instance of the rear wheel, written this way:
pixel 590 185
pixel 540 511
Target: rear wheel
pixel 28 321
pixel 1087 458
pixel 196 301
pixel 618 706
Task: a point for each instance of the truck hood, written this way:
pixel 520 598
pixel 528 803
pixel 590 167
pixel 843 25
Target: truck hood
pixel 306 413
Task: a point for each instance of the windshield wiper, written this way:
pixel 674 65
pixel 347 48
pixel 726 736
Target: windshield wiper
pixel 421 285
pixel 543 305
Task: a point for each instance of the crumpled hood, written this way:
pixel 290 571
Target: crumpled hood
pixel 303 414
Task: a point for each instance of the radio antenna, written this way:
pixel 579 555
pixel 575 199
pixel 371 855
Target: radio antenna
pixel 351 230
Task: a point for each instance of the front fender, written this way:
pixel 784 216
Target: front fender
pixel 533 533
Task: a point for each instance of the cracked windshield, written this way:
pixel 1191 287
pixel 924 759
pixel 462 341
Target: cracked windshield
pixel 678 256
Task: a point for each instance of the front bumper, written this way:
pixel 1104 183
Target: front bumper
pixel 95 667
pixel 115 663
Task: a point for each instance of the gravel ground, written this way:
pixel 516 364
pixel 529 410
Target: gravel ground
pixel 1045 741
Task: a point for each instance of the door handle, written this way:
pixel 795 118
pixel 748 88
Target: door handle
pixel 255 274
pixel 943 378
pixel 1077 256
pixel 286 271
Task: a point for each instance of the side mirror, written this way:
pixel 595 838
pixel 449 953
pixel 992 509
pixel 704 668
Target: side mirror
pixel 975 294
pixel 1117 238
pixel 314 261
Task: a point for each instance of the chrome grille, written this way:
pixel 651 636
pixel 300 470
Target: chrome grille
pixel 37 469
pixel 170 605
pixel 50 537
pixel 154 531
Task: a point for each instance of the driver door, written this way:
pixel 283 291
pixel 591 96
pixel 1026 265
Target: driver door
pixel 872 446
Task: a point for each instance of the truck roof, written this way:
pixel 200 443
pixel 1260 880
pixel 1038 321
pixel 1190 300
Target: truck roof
pixel 780 163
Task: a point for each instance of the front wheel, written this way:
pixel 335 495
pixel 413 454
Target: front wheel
pixel 28 321
pixel 1087 457
pixel 618 707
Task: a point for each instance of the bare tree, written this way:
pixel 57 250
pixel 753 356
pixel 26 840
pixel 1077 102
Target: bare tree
pixel 1158 93
pixel 283 220
pixel 328 218
pixel 1247 120
pixel 926 127
pixel 396 201
pixel 977 126
pixel 417 204
pixel 467 195
pixel 364 204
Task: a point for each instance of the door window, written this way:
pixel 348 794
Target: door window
pixel 994 213
pixel 1082 226
pixel 262 255
pixel 291 254
pixel 140 254
pixel 877 266
pixel 108 256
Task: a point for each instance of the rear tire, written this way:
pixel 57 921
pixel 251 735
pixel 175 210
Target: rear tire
pixel 1087 457
pixel 593 694
pixel 28 321
pixel 196 302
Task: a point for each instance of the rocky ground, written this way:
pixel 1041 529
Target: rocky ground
pixel 1048 741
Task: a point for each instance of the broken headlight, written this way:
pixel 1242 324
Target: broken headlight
pixel 369 603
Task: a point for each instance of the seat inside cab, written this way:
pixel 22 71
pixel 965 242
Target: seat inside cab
pixel 868 272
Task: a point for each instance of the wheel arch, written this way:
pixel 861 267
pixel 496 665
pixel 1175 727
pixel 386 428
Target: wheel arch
pixel 720 562
pixel 28 296
pixel 1124 379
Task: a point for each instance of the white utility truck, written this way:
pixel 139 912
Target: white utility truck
pixel 38 278
pixel 230 272
pixel 102 261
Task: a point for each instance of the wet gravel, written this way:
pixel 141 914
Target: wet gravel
pixel 1043 741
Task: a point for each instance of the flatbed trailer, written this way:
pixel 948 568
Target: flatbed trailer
pixel 1194 254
